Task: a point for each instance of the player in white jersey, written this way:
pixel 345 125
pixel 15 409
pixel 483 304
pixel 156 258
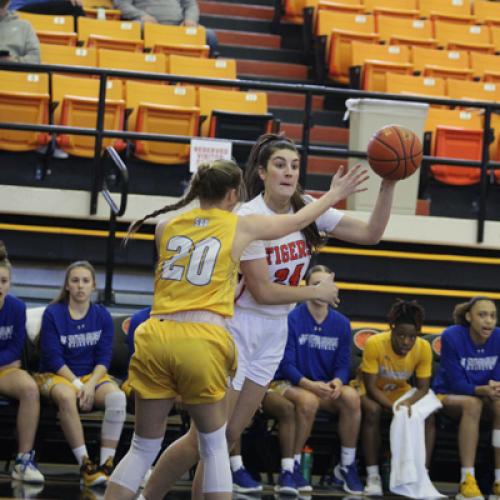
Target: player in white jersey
pixel 259 330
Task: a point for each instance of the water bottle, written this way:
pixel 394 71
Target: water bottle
pixel 306 463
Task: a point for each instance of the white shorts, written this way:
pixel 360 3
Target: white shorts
pixel 261 342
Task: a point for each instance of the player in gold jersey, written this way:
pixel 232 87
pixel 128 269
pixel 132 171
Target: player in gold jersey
pixel 184 348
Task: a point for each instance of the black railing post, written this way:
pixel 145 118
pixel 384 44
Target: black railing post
pixel 96 170
pixel 110 260
pixel 306 134
pixel 483 183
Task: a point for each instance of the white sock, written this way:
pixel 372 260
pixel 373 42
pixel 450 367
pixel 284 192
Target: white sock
pixel 236 462
pixel 23 456
pixel 347 456
pixel 106 453
pixel 141 497
pixel 497 475
pixel 287 464
pixel 79 453
pixel 464 471
pixel 297 457
pixel 372 470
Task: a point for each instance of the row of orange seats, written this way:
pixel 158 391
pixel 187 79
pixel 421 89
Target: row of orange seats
pixel 119 35
pixel 478 11
pixel 439 71
pixel 153 108
pixel 341 29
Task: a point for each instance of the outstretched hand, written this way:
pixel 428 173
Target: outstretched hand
pixel 346 183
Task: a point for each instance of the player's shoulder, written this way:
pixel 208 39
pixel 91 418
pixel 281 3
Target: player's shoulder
pixel 14 303
pixel 254 206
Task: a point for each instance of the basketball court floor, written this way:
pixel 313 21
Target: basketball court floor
pixel 62 483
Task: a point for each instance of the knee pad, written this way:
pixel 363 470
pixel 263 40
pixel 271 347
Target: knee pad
pixel 495 438
pixel 214 453
pixel 114 415
pixel 131 470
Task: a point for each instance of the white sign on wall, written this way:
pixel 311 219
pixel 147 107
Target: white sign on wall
pixel 208 150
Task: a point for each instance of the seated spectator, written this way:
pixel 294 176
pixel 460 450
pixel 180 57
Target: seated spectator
pixel 18 41
pixel 390 359
pixel 177 12
pixel 49 7
pixel 468 380
pixel 75 352
pixel 312 376
pixel 15 382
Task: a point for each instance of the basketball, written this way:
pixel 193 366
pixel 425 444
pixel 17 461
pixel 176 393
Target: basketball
pixel 394 152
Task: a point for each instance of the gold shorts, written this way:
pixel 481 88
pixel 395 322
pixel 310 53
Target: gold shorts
pixel 8 369
pixel 392 394
pixel 174 358
pixel 280 386
pixel 126 388
pixel 47 381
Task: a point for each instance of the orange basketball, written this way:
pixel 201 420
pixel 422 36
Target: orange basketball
pixel 394 152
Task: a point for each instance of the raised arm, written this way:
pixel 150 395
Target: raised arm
pixel 264 227
pixel 368 233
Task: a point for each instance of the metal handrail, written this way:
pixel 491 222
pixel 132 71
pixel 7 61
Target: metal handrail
pixel 308 89
pixel 115 212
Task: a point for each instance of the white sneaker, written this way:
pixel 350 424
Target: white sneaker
pixel 57 153
pixel 25 469
pixel 373 486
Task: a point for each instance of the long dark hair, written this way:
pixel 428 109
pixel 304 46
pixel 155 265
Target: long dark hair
pixel 210 183
pixel 4 260
pixel 464 307
pixel 63 295
pixel 262 150
pixel 406 312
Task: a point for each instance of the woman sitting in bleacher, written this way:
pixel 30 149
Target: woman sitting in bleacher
pixel 18 40
pixel 468 380
pixel 15 382
pixel 75 350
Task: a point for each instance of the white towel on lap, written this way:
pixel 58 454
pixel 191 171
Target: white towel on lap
pixel 409 477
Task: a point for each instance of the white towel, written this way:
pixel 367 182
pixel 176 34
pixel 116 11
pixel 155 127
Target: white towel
pixel 409 477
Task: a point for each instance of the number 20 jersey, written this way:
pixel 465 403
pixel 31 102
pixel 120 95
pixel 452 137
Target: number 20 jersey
pixel 287 258
pixel 195 269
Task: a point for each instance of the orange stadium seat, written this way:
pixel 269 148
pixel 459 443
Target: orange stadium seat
pixel 396 31
pixel 379 61
pixel 441 63
pixel 455 142
pixel 474 91
pixel 58 30
pixel 294 9
pixel 78 100
pixel 203 68
pixel 24 98
pixel 495 37
pixel 454 36
pixel 71 56
pixel 484 63
pixel 400 9
pixel 341 29
pixel 133 61
pixel 452 10
pixel 233 101
pixel 340 6
pixel 416 85
pixel 101 9
pixel 115 35
pixel 181 40
pixel 161 109
pixel 487 12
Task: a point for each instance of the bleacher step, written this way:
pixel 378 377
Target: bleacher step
pixel 261 53
pixel 291 100
pixel 235 23
pixel 236 10
pixel 320 134
pixel 231 37
pixel 270 70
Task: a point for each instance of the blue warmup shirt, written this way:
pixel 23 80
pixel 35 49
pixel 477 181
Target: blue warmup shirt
pixel 19 4
pixel 319 352
pixel 463 365
pixel 138 318
pixel 81 344
pixel 12 330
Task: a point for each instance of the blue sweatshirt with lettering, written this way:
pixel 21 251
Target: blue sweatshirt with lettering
pixel 464 365
pixel 81 344
pixel 138 318
pixel 12 330
pixel 319 352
